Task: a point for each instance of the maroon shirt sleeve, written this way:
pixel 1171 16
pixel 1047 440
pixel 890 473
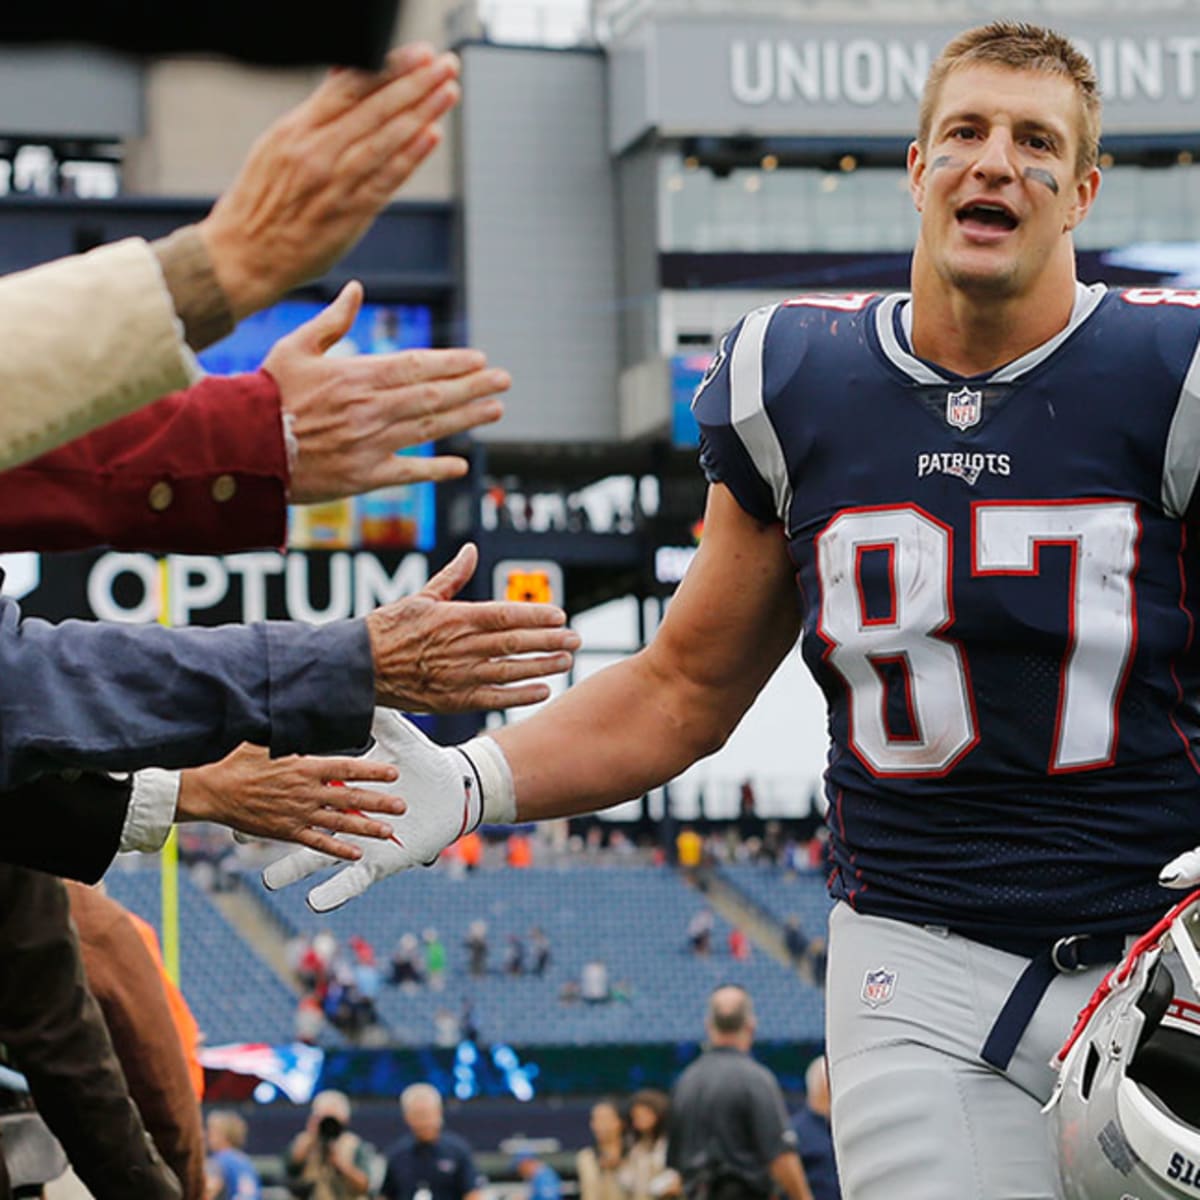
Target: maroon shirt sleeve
pixel 199 471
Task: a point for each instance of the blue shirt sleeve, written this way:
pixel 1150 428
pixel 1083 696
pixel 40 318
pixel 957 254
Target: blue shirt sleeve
pixel 120 697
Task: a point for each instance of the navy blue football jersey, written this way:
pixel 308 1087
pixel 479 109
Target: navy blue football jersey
pixel 999 600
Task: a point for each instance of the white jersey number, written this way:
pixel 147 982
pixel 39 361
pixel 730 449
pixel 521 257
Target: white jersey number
pixel 1102 537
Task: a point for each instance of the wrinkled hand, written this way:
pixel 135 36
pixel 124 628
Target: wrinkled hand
pixel 290 799
pixel 1182 872
pixel 443 802
pixel 350 415
pixel 315 180
pixel 435 654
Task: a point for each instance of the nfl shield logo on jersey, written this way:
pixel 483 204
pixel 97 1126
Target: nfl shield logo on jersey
pixel 964 408
pixel 878 986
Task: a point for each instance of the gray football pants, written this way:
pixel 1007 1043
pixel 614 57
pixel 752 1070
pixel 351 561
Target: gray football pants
pixel 916 1114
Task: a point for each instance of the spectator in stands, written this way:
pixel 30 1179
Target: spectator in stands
pixel 817 960
pixel 645 1175
pixel 477 947
pixel 325 1160
pixel 739 944
pixel 619 845
pixel 311 972
pixel 446 1030
pixel 429 1162
pixel 540 945
pixel 408 966
pixel 470 848
pixel 699 931
pixel 310 1019
pixel 728 1134
pixel 435 959
pixel 514 955
pixel 593 982
pixel 231 1174
pixel 813 1135
pixel 689 850
pixel 771 851
pixel 466 1021
pixel 795 940
pixel 599 1165
pixel 367 985
pixel 542 1178
pixel 519 851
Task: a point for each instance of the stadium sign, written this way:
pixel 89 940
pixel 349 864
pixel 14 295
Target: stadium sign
pixel 714 77
pixel 202 589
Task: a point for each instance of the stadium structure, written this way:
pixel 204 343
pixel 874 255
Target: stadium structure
pixel 603 209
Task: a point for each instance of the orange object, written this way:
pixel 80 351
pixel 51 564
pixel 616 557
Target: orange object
pixel 520 851
pixel 471 849
pixel 189 1030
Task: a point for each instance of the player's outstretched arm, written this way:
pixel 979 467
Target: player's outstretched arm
pixel 642 721
pixel 316 179
pixel 433 653
pixel 349 415
pixel 628 728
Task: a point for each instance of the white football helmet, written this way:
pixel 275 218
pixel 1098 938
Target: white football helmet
pixel 1126 1107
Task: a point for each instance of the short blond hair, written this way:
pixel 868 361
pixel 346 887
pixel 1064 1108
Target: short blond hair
pixel 1022 47
pixel 231 1127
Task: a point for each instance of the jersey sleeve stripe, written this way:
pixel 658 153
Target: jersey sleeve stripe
pixel 749 412
pixel 1181 460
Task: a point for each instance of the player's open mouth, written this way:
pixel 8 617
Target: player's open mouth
pixel 985 221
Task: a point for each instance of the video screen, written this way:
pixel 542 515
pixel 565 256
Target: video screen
pixel 395 518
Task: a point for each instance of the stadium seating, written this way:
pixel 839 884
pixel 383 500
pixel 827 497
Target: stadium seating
pixel 234 995
pixel 782 894
pixel 633 918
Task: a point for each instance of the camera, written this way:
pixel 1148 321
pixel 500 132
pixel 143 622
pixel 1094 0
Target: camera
pixel 329 1129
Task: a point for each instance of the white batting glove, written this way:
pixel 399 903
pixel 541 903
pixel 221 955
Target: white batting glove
pixel 449 790
pixel 1182 872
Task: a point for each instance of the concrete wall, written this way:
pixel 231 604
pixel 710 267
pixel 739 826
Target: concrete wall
pixel 539 238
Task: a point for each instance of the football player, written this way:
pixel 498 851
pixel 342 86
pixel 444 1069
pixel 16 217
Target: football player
pixel 973 502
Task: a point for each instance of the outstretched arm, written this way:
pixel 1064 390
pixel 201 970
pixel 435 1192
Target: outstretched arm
pixel 205 470
pixel 641 722
pixel 628 728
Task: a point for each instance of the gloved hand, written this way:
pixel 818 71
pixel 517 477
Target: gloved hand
pixel 448 790
pixel 1183 871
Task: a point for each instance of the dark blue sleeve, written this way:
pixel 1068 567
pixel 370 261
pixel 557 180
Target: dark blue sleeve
pixel 389 1189
pixel 723 457
pixel 467 1176
pixel 120 697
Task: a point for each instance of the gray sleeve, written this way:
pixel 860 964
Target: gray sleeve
pixel 120 697
pixel 770 1128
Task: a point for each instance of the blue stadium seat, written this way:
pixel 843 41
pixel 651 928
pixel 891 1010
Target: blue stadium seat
pixel 234 995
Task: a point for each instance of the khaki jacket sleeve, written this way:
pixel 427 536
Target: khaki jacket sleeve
pixel 85 340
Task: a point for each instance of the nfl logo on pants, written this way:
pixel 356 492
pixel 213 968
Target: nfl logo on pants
pixel 878 986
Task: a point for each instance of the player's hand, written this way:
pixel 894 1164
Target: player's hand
pixel 1182 872
pixel 289 799
pixel 443 802
pixel 315 180
pixel 349 415
pixel 435 654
